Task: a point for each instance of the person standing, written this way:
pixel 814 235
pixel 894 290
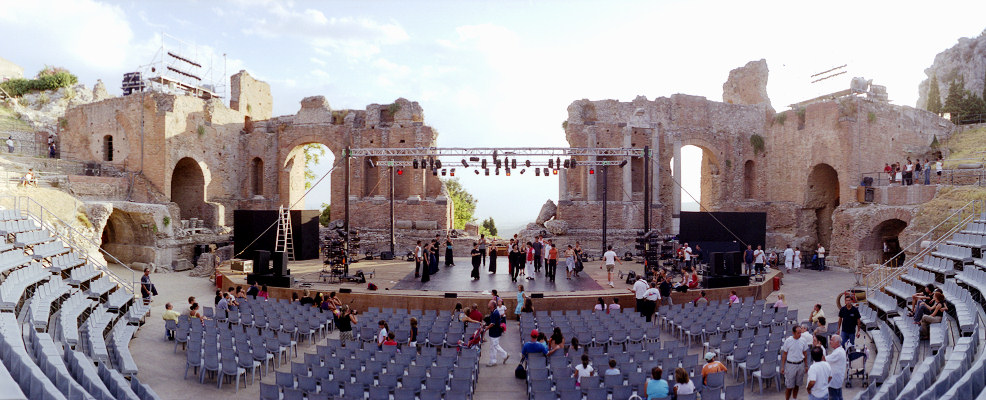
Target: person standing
pixel 496 331
pixel 10 144
pixel 797 258
pixel 482 248
pixel 938 168
pixel 492 251
pixel 748 258
pixel 529 261
pixel 821 257
pixel 788 258
pixel 927 174
pixel 538 246
pixel 426 263
pixel 665 288
pixel 569 262
pixel 837 361
pixel 520 299
pixel 417 260
pixel 688 255
pixel 345 323
pixel 849 320
pixel 147 288
pixel 513 261
pixel 651 296
pixel 639 288
pixel 610 259
pixel 476 257
pixel 448 253
pixel 552 260
pixel 794 353
pixel 819 375
pixel 579 255
pixel 759 259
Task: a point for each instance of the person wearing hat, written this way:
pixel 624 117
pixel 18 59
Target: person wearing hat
pixel 711 366
pixel 533 346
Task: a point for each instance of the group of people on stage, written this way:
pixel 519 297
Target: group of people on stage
pixel 522 259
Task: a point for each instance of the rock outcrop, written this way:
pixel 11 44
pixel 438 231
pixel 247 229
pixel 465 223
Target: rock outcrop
pixel 548 211
pixel 965 60
pixel 556 227
pixel 747 84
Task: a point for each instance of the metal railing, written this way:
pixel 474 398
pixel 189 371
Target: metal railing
pixel 949 176
pixel 69 235
pixel 882 276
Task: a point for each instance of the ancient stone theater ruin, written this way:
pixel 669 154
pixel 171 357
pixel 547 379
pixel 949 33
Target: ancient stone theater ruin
pixel 191 158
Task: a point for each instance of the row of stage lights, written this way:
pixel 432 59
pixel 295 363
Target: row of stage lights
pixel 552 169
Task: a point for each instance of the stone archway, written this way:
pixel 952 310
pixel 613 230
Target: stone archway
pixel 710 176
pixel 129 237
pixel 291 181
pixel 188 188
pixel 882 243
pixel 822 197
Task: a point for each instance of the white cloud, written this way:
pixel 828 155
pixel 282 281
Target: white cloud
pixel 318 61
pixel 357 38
pixel 95 34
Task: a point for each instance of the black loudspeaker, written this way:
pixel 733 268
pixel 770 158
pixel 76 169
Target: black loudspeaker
pixel 280 264
pixel 451 295
pixel 345 290
pixel 261 262
pixel 386 255
pixel 537 295
pixel 271 280
pixel 717 263
pixel 734 263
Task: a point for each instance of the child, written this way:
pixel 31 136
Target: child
pixel 581 370
pixel 612 370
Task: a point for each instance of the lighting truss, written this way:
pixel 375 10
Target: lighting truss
pixel 511 152
pixel 534 164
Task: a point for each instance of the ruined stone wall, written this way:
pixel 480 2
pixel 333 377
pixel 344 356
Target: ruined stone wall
pixel 250 96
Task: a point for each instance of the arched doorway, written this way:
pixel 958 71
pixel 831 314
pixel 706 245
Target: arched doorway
pixel 822 198
pixel 749 180
pixel 257 176
pixel 188 188
pixel 128 237
pixel 700 178
pixel 304 165
pixel 882 244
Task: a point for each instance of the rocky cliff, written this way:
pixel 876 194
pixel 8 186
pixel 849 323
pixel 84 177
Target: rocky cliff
pixel 967 59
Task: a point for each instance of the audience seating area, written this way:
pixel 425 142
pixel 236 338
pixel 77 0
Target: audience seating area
pixel 54 327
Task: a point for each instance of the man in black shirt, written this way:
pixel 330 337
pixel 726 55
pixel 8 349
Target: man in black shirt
pixel 665 288
pixel 848 321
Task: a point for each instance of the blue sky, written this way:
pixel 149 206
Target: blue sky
pixel 499 73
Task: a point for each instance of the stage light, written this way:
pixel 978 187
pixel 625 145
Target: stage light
pixel 434 172
pixel 494 154
pixel 464 163
pixel 484 163
pixel 623 164
pixel 486 171
pixel 572 163
pixel 545 172
pixel 474 159
pixel 438 163
pixel 527 163
pixel 444 172
pixel 508 171
pixel 513 163
pixel 414 163
pixel 522 171
pixel 537 171
pixel 498 171
pixel 551 163
pixel 554 171
pixel 592 171
pixel 476 171
pixel 558 162
pixel 400 171
pixel 566 164
pixel 497 162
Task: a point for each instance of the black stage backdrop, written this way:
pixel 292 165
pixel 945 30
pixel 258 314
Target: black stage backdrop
pixel 700 228
pixel 248 224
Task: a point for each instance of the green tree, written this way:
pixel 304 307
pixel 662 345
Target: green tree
pixel 313 154
pixel 953 101
pixel 488 227
pixel 326 216
pixel 465 204
pixel 934 96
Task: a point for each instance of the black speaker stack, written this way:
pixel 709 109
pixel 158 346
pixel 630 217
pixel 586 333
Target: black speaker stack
pixel 728 263
pixel 264 274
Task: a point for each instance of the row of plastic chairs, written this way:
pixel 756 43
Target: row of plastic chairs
pixel 44 295
pixel 12 259
pixel 48 358
pixel 67 327
pixel 919 276
pixel 83 274
pixel 10 215
pixel 50 249
pixel 975 228
pixel 909 349
pixel 965 307
pixel 941 266
pixel 32 238
pixel 65 262
pixel 31 380
pixel 922 377
pixel 12 288
pixel 12 227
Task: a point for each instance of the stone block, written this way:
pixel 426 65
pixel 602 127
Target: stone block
pixel 548 211
pixel 472 229
pixel 747 84
pixel 425 225
pixel 181 265
pixel 403 224
pixel 556 227
pixel 413 199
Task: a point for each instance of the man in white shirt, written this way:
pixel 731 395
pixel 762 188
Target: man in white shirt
pixel 794 352
pixel 819 376
pixel 10 147
pixel 639 287
pixel 759 259
pixel 788 258
pixel 688 255
pixel 651 297
pixel 610 259
pixel 837 362
pixel 821 257
pixel 417 260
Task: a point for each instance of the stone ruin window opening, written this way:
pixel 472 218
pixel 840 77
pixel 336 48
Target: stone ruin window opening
pixel 822 198
pixel 749 180
pixel 695 164
pixel 294 186
pixel 257 176
pixel 188 188
pixel 108 148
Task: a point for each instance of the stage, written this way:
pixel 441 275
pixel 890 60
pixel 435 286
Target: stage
pixel 397 287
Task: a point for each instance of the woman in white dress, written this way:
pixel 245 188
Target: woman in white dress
pixel 797 258
pixel 529 261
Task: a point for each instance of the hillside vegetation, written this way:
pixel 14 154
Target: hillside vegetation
pixel 966 147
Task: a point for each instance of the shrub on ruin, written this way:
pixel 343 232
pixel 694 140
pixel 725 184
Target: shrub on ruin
pixel 780 118
pixel 50 78
pixel 758 144
pixel 871 116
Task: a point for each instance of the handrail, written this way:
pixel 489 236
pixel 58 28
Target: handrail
pixel 69 235
pixel 892 272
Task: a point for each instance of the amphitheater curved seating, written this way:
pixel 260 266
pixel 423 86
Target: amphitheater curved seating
pixel 32 238
pixel 975 228
pixel 12 227
pixel 955 253
pixel 938 265
pixel 919 277
pixel 50 249
pixel 42 300
pixel 12 288
pixel 83 274
pixel 65 262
